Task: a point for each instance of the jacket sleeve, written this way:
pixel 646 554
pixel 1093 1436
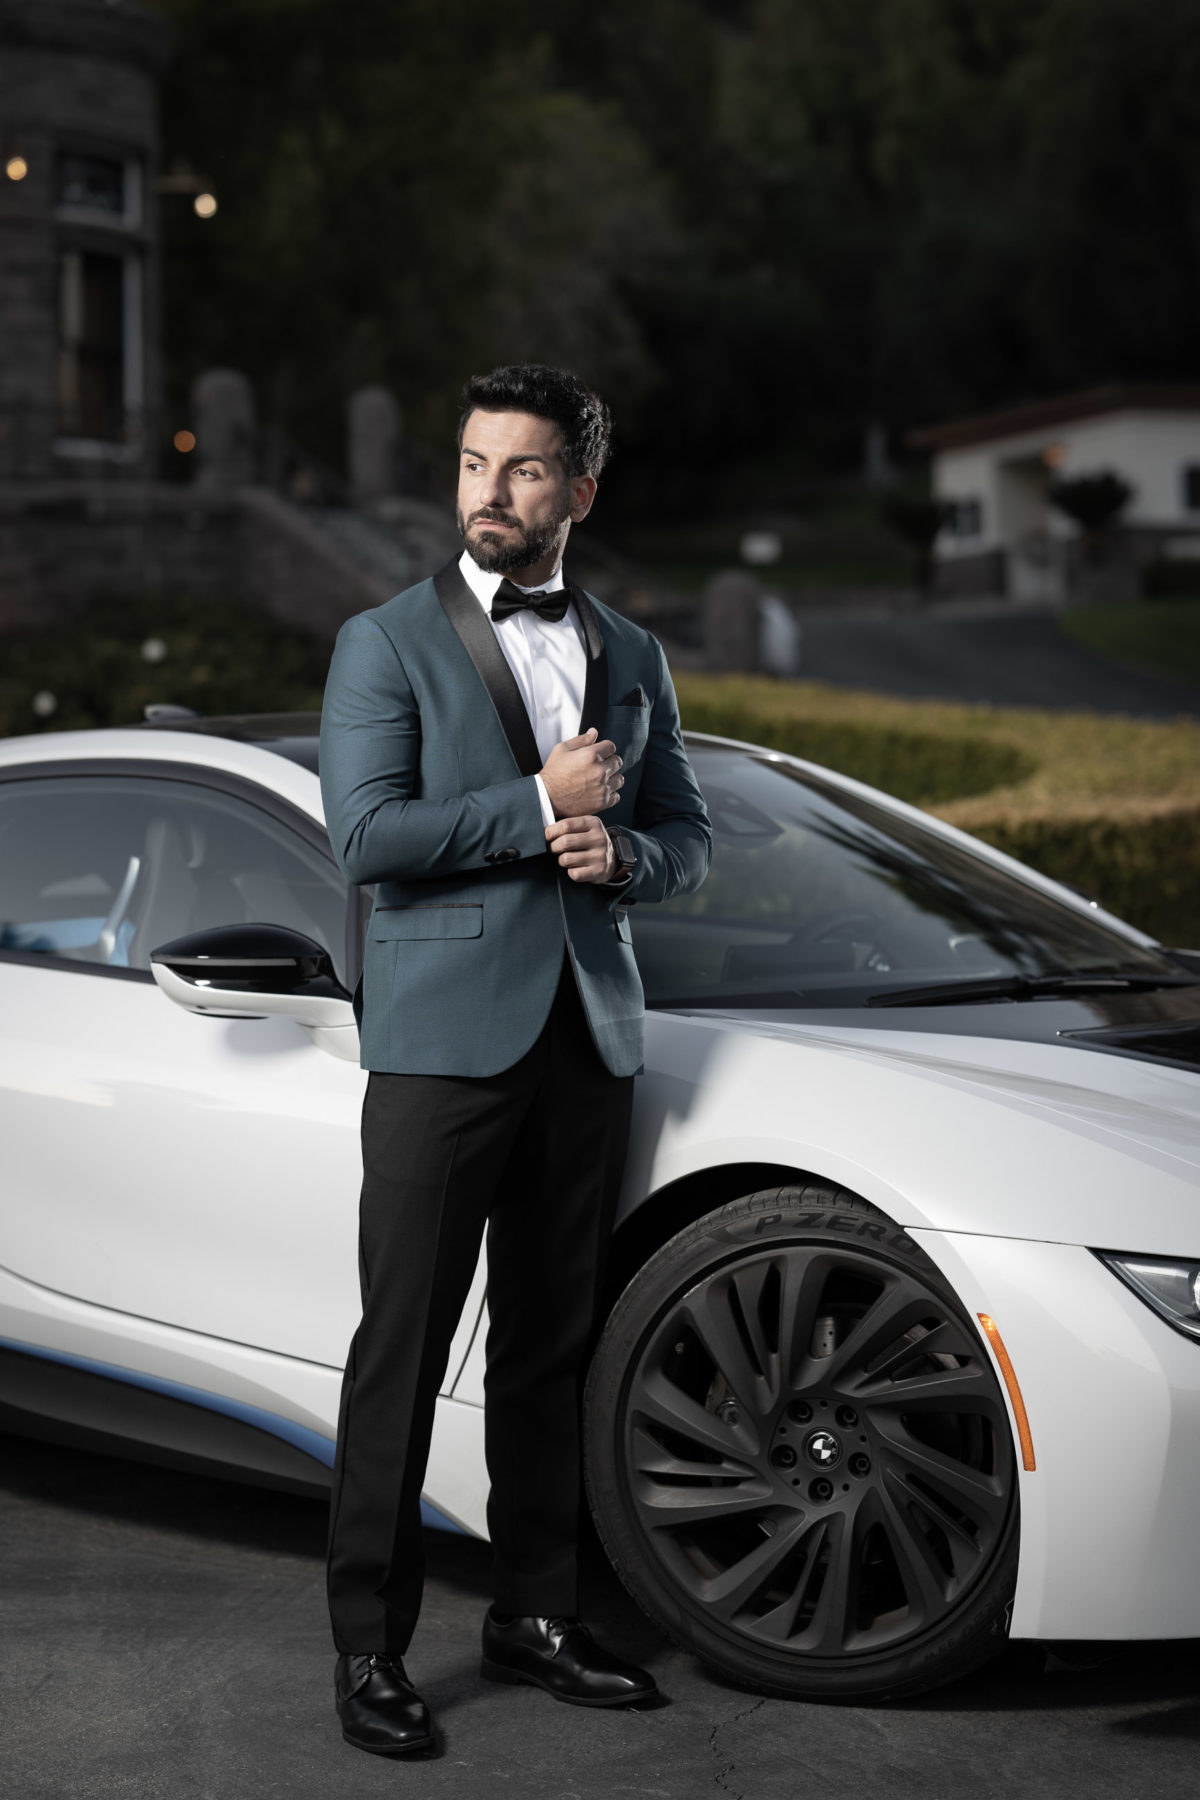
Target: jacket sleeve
pixel 671 832
pixel 379 826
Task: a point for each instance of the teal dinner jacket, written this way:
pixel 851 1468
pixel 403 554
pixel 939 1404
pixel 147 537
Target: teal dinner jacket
pixel 427 766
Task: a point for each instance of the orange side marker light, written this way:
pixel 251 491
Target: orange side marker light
pixel 1014 1389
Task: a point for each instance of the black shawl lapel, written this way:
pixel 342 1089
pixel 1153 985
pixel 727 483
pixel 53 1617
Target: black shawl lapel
pixel 478 639
pixel 595 692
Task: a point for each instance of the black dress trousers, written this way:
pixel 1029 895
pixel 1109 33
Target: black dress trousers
pixel 535 1154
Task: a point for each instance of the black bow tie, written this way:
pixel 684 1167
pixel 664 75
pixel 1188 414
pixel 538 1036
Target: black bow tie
pixel 509 599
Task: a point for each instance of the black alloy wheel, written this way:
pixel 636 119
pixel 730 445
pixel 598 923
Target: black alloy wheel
pixel 799 1456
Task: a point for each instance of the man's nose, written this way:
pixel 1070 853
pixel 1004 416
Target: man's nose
pixel 494 489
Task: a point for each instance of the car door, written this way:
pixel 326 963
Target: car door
pixel 200 1172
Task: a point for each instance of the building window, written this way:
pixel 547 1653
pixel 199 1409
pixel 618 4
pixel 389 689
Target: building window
pixel 1191 487
pixel 93 184
pixel 91 345
pixel 966 518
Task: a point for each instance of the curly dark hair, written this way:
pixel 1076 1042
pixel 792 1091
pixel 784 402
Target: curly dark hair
pixel 555 394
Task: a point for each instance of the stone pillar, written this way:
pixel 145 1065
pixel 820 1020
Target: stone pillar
pixel 373 444
pixel 223 416
pixel 731 614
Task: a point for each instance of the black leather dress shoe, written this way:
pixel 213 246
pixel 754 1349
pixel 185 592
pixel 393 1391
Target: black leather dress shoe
pixel 561 1656
pixel 379 1708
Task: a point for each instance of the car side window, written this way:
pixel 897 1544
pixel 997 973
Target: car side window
pixel 102 869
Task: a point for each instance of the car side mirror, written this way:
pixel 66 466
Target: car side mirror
pixel 255 972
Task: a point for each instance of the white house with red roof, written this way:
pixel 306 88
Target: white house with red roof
pixel 1005 537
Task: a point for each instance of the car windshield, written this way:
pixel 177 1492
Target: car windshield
pixel 818 896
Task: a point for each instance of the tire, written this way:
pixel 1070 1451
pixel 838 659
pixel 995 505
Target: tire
pixel 798 1455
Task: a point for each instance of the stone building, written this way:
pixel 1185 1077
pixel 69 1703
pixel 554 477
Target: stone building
pixel 83 506
pixel 83 509
pixel 80 370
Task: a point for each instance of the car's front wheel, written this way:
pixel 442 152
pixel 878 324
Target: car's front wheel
pixel 798 1454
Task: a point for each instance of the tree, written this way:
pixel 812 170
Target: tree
pixel 916 519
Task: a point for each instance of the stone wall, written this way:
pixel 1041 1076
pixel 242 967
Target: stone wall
pixel 61 543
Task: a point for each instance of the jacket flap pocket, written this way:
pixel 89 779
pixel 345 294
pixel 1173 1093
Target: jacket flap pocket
pixel 443 919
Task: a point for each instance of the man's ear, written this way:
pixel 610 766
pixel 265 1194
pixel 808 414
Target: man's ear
pixel 583 492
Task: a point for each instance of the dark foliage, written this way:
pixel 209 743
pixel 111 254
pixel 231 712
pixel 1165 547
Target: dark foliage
pixel 123 654
pixel 756 228
pixel 1093 501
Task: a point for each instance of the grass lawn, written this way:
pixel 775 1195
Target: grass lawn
pixel 1162 636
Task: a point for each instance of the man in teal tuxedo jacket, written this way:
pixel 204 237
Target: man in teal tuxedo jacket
pixel 474 730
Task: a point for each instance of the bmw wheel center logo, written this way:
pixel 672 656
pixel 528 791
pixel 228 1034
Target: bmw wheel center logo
pixel 823 1449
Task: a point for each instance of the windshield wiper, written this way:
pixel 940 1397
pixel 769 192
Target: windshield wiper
pixel 1023 987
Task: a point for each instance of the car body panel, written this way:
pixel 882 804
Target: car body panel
pixel 101 1077
pixel 1108 1517
pixel 903 1122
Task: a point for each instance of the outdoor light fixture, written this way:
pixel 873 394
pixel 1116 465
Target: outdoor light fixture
pixel 184 440
pixel 204 205
pixel 1168 1284
pixel 16 168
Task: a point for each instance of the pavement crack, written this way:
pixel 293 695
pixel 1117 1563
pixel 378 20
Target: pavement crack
pixel 723 1774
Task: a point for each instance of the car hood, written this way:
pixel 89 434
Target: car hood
pixel 952 1130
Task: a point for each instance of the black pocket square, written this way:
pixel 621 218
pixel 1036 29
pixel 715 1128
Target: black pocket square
pixel 634 697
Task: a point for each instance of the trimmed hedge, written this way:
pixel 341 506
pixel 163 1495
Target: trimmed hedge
pixel 1144 870
pixel 914 765
pixel 219 658
pixel 1109 805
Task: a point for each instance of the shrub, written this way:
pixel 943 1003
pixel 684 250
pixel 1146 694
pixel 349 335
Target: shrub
pixel 914 765
pixel 1145 870
pixel 216 657
pixel 1109 805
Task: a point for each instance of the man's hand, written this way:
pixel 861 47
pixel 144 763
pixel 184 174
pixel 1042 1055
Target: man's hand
pixel 583 848
pixel 583 776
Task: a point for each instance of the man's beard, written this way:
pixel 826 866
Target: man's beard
pixel 518 548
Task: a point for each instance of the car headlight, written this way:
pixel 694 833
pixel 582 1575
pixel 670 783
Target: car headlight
pixel 1171 1285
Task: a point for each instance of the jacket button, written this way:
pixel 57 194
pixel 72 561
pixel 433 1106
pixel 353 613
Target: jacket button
pixel 491 856
pixel 509 854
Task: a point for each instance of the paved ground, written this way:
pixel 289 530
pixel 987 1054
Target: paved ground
pixel 1004 655
pixel 165 1637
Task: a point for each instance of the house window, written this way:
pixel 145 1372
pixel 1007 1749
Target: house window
pixel 966 518
pixel 91 345
pixel 93 184
pixel 1191 487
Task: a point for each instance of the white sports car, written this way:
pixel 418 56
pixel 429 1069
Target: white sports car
pixel 904 1348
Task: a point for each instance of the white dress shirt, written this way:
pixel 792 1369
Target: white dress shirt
pixel 548 659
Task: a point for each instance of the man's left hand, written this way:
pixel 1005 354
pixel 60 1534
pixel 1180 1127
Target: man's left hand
pixel 583 848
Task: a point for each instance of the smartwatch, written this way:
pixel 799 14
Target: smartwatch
pixel 624 852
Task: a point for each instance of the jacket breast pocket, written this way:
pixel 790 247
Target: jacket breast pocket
pixel 628 727
pixel 440 920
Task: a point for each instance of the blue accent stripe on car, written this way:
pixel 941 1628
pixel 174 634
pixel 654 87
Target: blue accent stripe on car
pixel 312 1443
pixel 303 1437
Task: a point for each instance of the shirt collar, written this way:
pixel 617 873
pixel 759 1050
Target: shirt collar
pixel 483 585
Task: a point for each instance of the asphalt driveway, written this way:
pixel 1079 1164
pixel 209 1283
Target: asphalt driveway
pixel 999 654
pixel 164 1638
